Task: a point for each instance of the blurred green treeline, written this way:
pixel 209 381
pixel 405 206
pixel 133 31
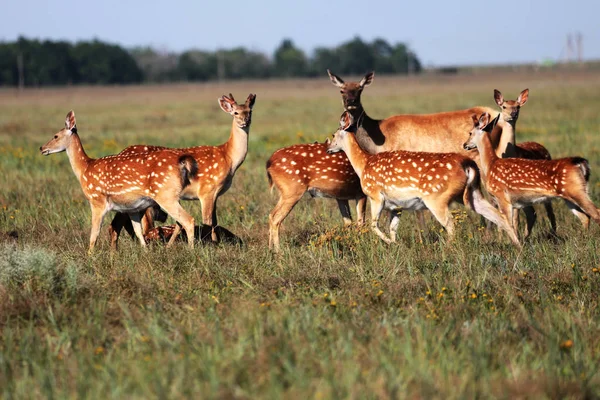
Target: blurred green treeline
pixel 30 62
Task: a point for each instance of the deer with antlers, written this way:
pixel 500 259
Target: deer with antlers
pixel 216 164
pixel 302 168
pixel 503 139
pixel 127 183
pixel 516 182
pixel 407 180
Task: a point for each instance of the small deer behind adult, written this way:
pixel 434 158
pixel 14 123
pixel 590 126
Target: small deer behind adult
pixel 217 165
pixel 517 183
pixel 405 180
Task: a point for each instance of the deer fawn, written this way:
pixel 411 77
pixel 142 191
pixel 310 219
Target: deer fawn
pixel 503 139
pixel 303 168
pixel 409 180
pixel 216 164
pixel 127 183
pixel 517 182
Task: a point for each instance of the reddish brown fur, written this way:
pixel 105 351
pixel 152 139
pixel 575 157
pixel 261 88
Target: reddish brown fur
pixel 517 182
pixel 413 181
pixel 216 164
pixel 129 183
pixel 303 168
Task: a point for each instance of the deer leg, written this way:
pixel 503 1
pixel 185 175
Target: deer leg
pixel 175 210
pixel 441 212
pixel 394 224
pixel 421 223
pixel 376 208
pixel 551 217
pixel 279 213
pixel 530 216
pixel 491 214
pixel 213 227
pixel 98 213
pixel 344 207
pixel 361 208
pixel 507 210
pixel 208 212
pixel 136 221
pixel 583 208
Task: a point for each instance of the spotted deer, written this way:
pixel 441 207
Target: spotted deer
pixel 516 182
pixel 216 164
pixel 408 180
pixel 503 139
pixel 127 183
pixel 302 168
pixel 436 133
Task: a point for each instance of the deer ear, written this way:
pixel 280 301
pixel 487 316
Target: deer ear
pixel 522 99
pixel 367 80
pixel 250 100
pixel 483 120
pixel 327 141
pixel 336 80
pixel 226 104
pixel 475 119
pixel 70 121
pixel 346 121
pixel 498 97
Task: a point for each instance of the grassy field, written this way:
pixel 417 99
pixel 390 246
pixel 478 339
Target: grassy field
pixel 338 314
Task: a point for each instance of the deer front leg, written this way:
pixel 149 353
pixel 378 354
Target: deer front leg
pixel 344 207
pixel 394 224
pixel 376 208
pixel 98 212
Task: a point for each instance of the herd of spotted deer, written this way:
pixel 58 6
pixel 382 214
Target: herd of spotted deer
pixel 404 162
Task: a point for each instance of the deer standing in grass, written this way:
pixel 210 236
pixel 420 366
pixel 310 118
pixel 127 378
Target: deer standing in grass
pixel 435 133
pixel 127 183
pixel 503 139
pixel 216 164
pixel 517 183
pixel 302 168
pixel 408 180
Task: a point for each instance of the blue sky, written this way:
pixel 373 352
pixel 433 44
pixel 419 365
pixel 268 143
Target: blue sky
pixel 440 32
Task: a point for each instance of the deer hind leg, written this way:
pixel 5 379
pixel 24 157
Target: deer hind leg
pixel 280 212
pixel 551 217
pixel 491 215
pixel 507 211
pixel 581 205
pixel 530 216
pixel 361 208
pixel 136 221
pixel 394 224
pixel 180 215
pixel 441 212
pixel 376 209
pixel 344 207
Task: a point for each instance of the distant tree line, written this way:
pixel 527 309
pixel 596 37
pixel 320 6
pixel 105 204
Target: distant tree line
pixel 37 63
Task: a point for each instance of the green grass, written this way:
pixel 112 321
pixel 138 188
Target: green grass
pixel 338 314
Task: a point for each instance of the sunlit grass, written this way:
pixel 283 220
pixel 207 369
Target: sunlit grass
pixel 338 313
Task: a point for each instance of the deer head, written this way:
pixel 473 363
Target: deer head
pixel 242 113
pixel 481 126
pixel 61 139
pixel 339 137
pixel 351 91
pixel 510 108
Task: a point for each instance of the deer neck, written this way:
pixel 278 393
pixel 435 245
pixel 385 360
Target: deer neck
pixel 236 147
pixel 487 155
pixel 356 155
pixel 368 133
pixel 504 139
pixel 77 157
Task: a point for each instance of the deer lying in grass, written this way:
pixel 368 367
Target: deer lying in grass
pixel 303 168
pixel 503 139
pixel 517 182
pixel 409 180
pixel 216 164
pixel 127 183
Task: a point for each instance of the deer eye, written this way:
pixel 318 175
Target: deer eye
pixel 235 113
pixel 55 136
pixel 504 107
pixel 341 91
